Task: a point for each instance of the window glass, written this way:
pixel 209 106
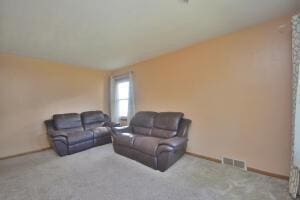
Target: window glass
pixel 123 90
pixel 123 108
pixel 122 98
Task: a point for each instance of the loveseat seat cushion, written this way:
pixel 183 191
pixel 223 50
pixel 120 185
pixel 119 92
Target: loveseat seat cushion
pixel 101 132
pixel 67 121
pixel 147 145
pixel 125 139
pixel 166 124
pixel 71 130
pixel 93 119
pixel 79 136
pixel 142 122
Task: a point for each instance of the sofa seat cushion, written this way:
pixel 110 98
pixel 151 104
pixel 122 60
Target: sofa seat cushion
pixel 125 139
pixel 101 132
pixel 72 130
pixel 147 145
pixel 79 136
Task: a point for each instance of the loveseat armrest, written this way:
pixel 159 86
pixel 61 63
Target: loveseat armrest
pixel 174 142
pixel 171 144
pixel 52 132
pixel 122 129
pixel 112 124
pixel 55 133
pixel 184 127
pixel 56 136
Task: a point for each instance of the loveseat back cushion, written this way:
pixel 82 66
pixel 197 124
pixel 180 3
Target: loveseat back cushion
pixel 166 124
pixel 93 119
pixel 67 121
pixel 142 122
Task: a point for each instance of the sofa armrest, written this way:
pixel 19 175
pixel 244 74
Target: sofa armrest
pixel 112 124
pixel 52 132
pixel 184 127
pixel 55 133
pixel 171 144
pixel 174 142
pixel 60 139
pixel 122 129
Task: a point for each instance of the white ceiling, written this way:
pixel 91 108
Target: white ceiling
pixel 109 34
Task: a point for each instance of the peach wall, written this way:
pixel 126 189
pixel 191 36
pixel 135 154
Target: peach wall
pixel 236 89
pixel 32 90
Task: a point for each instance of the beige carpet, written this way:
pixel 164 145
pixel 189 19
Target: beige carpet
pixel 101 174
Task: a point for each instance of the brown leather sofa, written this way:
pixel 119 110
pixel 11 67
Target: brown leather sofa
pixel 71 132
pixel 157 140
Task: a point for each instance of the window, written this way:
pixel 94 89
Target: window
pixel 122 104
pixel 122 98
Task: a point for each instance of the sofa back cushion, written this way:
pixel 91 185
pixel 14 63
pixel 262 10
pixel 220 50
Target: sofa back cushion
pixel 93 119
pixel 166 124
pixel 67 121
pixel 142 122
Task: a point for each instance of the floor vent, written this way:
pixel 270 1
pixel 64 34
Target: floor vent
pixel 234 163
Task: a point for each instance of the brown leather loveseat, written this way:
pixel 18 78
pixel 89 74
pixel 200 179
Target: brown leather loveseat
pixel 157 140
pixel 71 132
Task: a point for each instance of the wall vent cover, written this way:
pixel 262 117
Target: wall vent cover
pixel 227 161
pixel 234 163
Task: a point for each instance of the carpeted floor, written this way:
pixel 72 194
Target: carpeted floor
pixel 101 174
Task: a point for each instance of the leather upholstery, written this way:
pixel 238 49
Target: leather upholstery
pixel 166 124
pixel 168 120
pixel 101 131
pixel 174 142
pixel 70 133
pixel 94 125
pixel 156 132
pixel 157 140
pixel 142 123
pixel 125 139
pixel 93 119
pixel 122 129
pixel 184 127
pixel 79 136
pixel 67 121
pixel 147 145
pixel 143 119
